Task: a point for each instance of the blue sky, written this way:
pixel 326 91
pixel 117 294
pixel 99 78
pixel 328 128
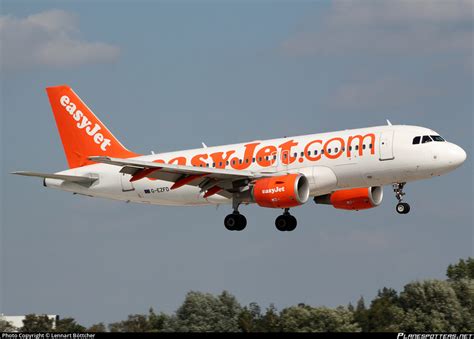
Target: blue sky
pixel 166 76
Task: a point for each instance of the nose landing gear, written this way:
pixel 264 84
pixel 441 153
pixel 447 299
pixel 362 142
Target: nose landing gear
pixel 286 222
pixel 402 207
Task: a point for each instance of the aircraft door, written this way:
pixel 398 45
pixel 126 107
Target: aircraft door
pixel 275 162
pixel 386 146
pixel 282 160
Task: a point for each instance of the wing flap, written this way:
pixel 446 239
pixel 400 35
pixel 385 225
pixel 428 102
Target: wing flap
pixel 205 177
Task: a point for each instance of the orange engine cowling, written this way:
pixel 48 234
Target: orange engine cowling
pixel 353 199
pixel 281 192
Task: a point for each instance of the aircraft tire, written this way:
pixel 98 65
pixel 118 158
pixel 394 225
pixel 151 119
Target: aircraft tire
pixel 403 208
pixel 281 223
pixel 292 223
pixel 235 222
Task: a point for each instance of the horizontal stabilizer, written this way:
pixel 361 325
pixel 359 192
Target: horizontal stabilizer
pixel 71 178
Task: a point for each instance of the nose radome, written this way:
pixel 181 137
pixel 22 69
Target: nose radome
pixel 457 156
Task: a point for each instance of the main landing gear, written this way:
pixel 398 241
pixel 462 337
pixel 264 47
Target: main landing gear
pixel 402 207
pixel 235 221
pixel 286 222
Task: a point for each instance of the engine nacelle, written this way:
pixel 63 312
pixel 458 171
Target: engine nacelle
pixel 281 192
pixel 353 199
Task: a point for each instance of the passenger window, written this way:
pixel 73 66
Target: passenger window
pixel 370 146
pixel 302 154
pixel 247 161
pixel 274 157
pixel 416 140
pixel 309 152
pixel 322 151
pixel 253 159
pixel 336 150
pixel 260 159
pixel 315 152
pixel 329 150
pixel 213 164
pixel 296 154
pixel 426 138
pixel 357 147
pixel 363 146
pixel 240 161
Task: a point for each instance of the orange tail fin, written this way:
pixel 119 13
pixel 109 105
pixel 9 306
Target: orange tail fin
pixel 82 133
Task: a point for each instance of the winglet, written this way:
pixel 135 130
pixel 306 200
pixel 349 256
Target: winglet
pixel 389 123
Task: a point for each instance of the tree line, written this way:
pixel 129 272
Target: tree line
pixel 428 305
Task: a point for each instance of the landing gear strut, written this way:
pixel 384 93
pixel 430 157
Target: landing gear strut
pixel 286 222
pixel 402 207
pixel 235 221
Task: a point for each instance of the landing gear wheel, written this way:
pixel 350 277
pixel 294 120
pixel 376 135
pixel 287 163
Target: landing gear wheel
pixel 281 223
pixel 285 222
pixel 230 221
pixel 292 223
pixel 403 208
pixel 242 223
pixel 235 222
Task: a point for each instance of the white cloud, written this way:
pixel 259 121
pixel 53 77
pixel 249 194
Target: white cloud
pixel 50 38
pixel 387 27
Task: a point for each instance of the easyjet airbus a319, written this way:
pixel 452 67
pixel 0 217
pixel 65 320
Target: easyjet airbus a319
pixel 346 169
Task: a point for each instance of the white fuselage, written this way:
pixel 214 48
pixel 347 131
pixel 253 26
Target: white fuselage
pixel 331 161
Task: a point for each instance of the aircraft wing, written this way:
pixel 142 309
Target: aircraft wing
pixel 211 180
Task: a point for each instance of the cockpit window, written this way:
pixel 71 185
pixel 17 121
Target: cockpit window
pixel 437 138
pixel 426 138
pixel 416 140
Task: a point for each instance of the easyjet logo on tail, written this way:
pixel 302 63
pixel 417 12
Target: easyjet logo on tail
pixel 84 123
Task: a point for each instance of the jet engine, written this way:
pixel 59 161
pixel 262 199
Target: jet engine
pixel 353 199
pixel 281 192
